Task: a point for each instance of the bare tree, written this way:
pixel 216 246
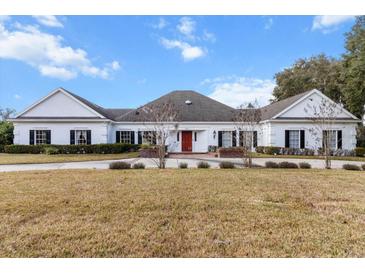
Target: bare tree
pixel 162 119
pixel 246 120
pixel 323 116
pixel 6 113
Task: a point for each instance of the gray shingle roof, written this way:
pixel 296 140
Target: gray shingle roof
pixel 201 109
pixel 110 113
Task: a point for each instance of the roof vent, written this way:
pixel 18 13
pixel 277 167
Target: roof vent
pixel 188 102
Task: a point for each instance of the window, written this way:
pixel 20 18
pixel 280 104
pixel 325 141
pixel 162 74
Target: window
pixel 331 137
pixel 226 139
pixel 149 138
pixel 40 137
pixel 246 139
pixel 294 141
pixel 126 137
pixel 81 137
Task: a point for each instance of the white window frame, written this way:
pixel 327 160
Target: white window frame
pixel 125 139
pixel 78 134
pixel 335 139
pixel 290 138
pixel 227 140
pixel 40 137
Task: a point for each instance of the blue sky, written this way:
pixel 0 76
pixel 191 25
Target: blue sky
pixel 125 61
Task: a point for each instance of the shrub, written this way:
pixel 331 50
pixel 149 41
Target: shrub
pixel 51 150
pixel 259 149
pixel 139 166
pixel 288 165
pixel 305 165
pixel 226 164
pixel 1 148
pixel 203 164
pixel 119 165
pixel 351 167
pixel 183 165
pixel 73 149
pixel 360 151
pixel 268 150
pixel 363 167
pixel 270 164
pixel 231 152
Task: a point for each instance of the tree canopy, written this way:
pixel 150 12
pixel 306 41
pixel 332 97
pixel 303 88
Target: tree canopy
pixel 343 79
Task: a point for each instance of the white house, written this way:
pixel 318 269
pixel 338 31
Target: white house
pixel 65 118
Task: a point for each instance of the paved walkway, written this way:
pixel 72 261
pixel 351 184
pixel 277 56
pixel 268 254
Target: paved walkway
pixel 171 163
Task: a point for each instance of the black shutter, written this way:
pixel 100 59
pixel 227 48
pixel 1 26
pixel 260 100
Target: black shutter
pixel 72 137
pixel 286 138
pixel 117 136
pixel 88 137
pixel 140 137
pixel 339 139
pixel 48 137
pixel 255 138
pixel 220 133
pixel 178 137
pixel 302 139
pixel 132 137
pixel 31 137
pixel 234 139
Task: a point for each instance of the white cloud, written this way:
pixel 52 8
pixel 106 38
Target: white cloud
pixel 208 36
pixel 17 97
pixel 269 23
pixel 188 52
pixel 49 21
pixel 328 23
pixel 162 23
pixel 48 54
pixel 187 27
pixel 235 91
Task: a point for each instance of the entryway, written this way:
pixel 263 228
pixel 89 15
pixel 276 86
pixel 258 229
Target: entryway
pixel 187 141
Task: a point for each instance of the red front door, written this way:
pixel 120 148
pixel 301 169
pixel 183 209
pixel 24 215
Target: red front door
pixel 187 141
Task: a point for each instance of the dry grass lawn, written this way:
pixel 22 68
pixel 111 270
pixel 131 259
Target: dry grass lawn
pixel 183 213
pixel 7 159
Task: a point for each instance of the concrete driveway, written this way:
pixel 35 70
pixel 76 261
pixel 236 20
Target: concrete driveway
pixel 171 163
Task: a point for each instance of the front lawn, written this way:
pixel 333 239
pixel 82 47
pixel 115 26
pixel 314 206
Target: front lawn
pixel 182 213
pixel 6 159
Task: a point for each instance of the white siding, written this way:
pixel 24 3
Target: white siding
pixel 59 105
pixel 60 131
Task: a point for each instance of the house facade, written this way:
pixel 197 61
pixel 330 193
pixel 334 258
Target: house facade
pixel 63 117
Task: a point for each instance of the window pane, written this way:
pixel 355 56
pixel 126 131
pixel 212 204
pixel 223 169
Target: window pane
pixel 294 139
pixel 126 137
pixel 40 137
pixel 246 138
pixel 80 136
pixel 226 139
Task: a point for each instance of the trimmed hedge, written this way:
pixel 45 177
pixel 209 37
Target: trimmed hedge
pixel 119 165
pixel 270 164
pixel 226 164
pixel 351 167
pixel 287 165
pixel 72 149
pixel 305 165
pixel 183 165
pixel 360 151
pixel 268 150
pixel 231 152
pixel 203 164
pixel 363 167
pixel 139 166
